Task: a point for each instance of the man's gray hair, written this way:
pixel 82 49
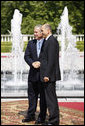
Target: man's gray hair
pixel 38 26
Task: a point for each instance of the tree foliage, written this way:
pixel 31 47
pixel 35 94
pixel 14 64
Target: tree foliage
pixel 40 12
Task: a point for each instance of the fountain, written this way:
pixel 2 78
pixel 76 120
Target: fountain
pixel 17 43
pixel 16 82
pixel 69 56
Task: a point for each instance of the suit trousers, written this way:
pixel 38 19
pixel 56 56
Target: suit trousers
pixel 34 89
pixel 52 102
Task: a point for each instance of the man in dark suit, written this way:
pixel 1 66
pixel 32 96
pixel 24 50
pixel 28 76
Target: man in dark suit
pixel 50 73
pixel 35 86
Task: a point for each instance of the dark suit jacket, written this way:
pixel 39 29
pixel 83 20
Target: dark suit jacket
pixel 30 57
pixel 49 59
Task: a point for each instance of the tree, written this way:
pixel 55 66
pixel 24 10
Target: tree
pixel 40 12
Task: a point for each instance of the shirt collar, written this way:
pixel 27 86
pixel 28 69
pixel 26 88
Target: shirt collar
pixel 48 37
pixel 41 40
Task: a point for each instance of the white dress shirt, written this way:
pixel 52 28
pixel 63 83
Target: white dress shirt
pixel 48 37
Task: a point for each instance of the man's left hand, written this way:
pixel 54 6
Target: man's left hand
pixel 46 79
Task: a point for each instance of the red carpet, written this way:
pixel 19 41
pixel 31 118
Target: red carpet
pixel 73 105
pixel 13 112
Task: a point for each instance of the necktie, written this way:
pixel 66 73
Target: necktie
pixel 38 48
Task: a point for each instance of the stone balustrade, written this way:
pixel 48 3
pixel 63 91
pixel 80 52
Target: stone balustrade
pixel 8 38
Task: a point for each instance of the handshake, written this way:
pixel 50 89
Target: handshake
pixel 37 65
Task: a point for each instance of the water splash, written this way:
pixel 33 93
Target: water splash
pixel 69 53
pixel 17 51
pixel 17 43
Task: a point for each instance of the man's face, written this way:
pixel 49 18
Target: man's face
pixel 44 32
pixel 37 33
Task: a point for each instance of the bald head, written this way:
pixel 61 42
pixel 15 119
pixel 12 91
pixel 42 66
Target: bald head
pixel 48 27
pixel 46 30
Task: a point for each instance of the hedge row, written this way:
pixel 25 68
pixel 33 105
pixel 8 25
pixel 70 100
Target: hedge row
pixel 80 45
pixel 7 46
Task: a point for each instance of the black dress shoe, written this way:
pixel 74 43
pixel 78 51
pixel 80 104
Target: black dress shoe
pixel 47 123
pixel 28 119
pixel 39 121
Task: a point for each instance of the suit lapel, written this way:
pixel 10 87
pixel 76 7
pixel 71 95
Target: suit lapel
pixel 35 47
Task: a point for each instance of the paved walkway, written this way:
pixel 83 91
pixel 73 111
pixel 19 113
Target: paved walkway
pixel 13 112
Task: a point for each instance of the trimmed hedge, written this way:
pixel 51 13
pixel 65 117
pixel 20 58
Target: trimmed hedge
pixel 7 46
pixel 80 45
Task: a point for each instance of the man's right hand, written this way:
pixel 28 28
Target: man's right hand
pixel 36 64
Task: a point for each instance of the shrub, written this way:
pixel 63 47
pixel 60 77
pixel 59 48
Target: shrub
pixel 7 46
pixel 80 45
